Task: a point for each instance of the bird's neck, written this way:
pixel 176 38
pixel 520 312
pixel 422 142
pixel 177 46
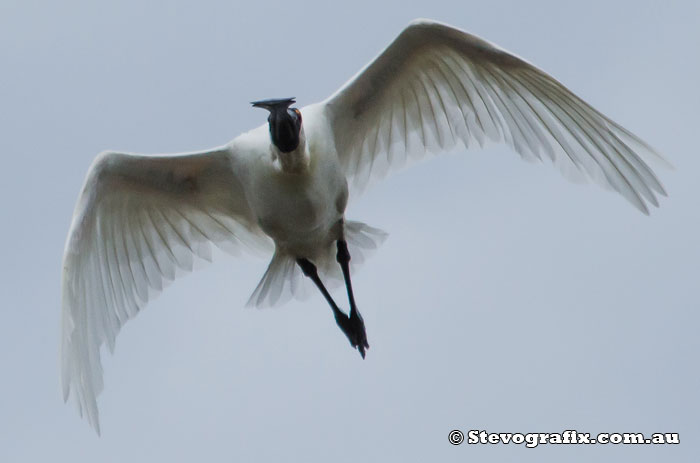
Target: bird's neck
pixel 294 162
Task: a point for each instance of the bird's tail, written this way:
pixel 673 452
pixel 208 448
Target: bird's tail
pixel 284 280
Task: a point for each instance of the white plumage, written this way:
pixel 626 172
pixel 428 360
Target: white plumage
pixel 142 220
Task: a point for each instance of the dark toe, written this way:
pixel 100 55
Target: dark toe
pixel 361 348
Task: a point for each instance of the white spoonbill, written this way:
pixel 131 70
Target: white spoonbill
pixel 141 220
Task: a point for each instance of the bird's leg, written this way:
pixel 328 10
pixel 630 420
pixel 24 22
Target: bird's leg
pixel 344 322
pixel 343 258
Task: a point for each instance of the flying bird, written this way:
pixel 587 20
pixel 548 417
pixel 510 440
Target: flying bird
pixel 142 220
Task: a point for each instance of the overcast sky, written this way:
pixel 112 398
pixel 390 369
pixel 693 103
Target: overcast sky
pixel 505 298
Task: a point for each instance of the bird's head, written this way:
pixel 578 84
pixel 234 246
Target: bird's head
pixel 285 122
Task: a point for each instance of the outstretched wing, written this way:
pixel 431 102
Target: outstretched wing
pixel 139 222
pixel 435 86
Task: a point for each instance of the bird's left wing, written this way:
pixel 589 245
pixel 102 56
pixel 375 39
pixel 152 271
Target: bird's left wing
pixel 139 221
pixel 435 85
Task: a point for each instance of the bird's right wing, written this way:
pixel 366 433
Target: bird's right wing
pixel 435 85
pixel 139 221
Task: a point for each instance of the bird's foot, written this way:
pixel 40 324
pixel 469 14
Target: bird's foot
pixel 354 328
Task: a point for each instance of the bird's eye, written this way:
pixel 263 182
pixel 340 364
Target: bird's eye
pixel 298 113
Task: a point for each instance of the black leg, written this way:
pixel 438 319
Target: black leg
pixel 343 258
pixel 344 322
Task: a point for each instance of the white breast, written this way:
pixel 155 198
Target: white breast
pixel 297 210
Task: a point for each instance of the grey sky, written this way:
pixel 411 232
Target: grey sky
pixel 505 298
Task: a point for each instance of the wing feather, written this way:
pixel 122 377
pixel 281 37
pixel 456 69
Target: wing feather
pixel 140 221
pixel 447 86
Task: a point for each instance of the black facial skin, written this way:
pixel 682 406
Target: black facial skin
pixel 285 126
pixel 285 123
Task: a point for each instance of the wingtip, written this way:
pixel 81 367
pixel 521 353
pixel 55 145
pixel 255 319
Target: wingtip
pixel 643 208
pixel 94 420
